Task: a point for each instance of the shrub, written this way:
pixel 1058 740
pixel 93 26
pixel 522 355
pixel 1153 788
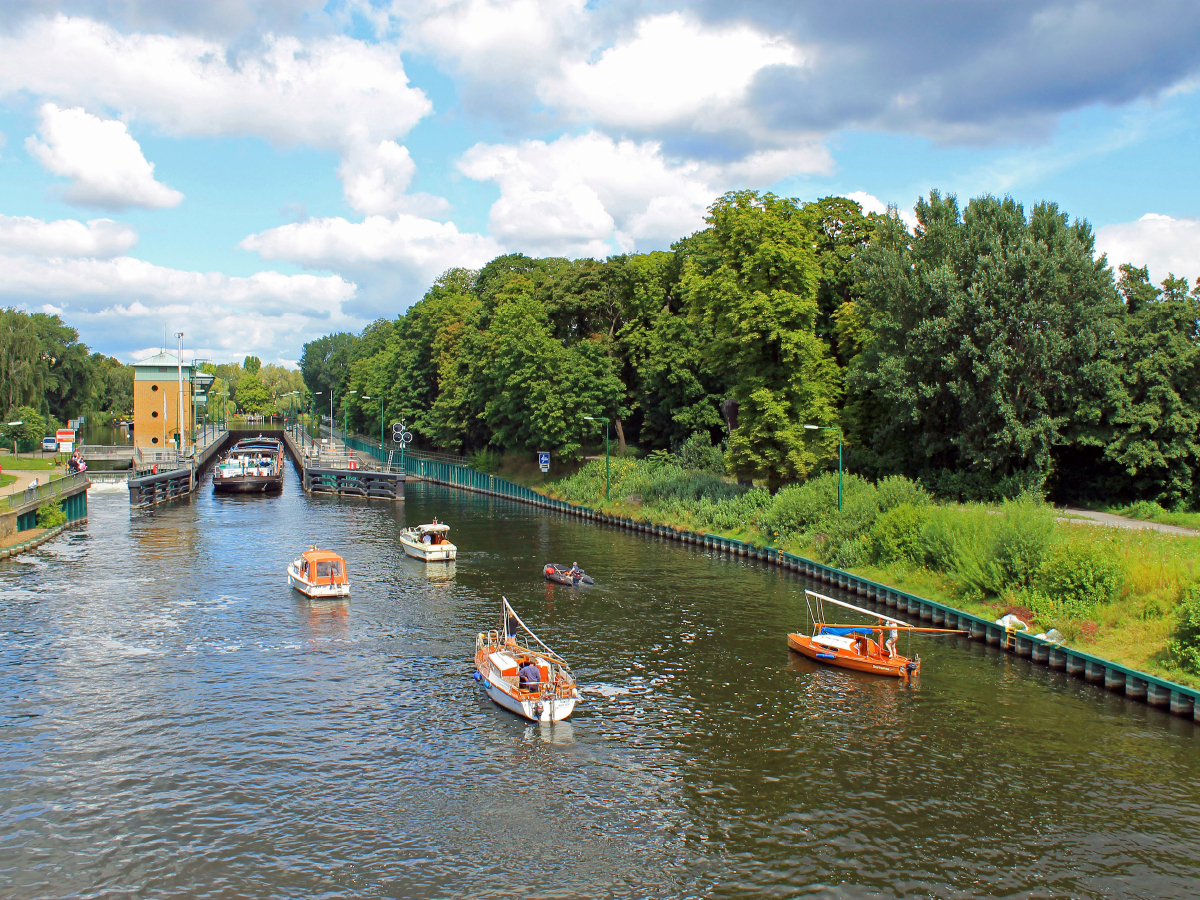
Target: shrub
pixel 1077 576
pixel 896 536
pixel 848 533
pixel 51 515
pixel 1184 645
pixel 1146 510
pixel 997 552
pixel 697 454
pixel 896 490
pixel 812 506
pixel 940 537
pixel 487 461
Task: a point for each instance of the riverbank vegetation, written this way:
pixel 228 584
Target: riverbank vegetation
pixel 1119 593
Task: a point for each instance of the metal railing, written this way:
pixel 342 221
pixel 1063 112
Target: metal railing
pixel 56 487
pixel 107 451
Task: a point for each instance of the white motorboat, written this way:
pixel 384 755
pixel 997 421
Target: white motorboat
pixel 320 574
pixel 504 660
pixel 428 542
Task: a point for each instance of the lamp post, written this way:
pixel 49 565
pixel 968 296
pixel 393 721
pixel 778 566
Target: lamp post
pixel 605 421
pixel 841 440
pixel 13 425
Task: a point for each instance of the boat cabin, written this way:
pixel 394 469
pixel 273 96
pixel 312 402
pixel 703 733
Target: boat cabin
pixel 506 667
pixel 853 640
pixel 433 534
pixel 323 567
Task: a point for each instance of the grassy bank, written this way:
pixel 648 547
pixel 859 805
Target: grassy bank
pixel 1117 593
pixel 27 463
pixel 1152 512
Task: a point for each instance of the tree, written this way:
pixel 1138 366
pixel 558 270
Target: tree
pixel 985 329
pixel 252 395
pixel 325 364
pixel 251 364
pixel 69 378
pixel 752 277
pixel 22 377
pixel 31 429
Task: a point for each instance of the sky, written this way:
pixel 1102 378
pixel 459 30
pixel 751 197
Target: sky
pixel 259 173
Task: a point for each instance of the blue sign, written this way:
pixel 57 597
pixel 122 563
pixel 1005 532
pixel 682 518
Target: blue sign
pixel 544 460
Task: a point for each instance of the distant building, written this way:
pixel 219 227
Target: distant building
pixel 156 402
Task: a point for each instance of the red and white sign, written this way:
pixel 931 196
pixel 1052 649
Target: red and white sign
pixel 66 439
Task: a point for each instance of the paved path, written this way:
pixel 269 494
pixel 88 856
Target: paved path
pixel 1115 521
pixel 23 479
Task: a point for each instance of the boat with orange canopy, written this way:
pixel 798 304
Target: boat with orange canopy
pixel 320 574
pixel 863 648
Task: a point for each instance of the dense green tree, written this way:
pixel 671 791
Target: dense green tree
pixel 985 328
pixel 325 365
pixel 114 386
pixel 253 396
pixel 29 431
pixel 752 277
pixel 22 375
pixel 251 364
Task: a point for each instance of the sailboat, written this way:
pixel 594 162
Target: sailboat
pixel 864 648
pixel 500 657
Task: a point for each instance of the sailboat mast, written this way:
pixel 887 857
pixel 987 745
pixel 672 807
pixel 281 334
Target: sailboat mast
pixel 822 598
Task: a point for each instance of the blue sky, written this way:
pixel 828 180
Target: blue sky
pixel 257 174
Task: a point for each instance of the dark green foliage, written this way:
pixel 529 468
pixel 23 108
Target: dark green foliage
pixel 697 454
pixel 1184 646
pixel 995 553
pixel 984 330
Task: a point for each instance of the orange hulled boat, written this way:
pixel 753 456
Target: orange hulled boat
pixel 863 648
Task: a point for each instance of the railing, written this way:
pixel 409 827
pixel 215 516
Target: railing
pixel 107 451
pixel 370 445
pixel 48 491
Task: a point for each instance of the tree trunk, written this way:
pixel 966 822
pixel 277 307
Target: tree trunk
pixel 620 435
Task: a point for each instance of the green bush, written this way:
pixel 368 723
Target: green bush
pixel 1077 576
pixel 486 461
pixel 996 552
pixel 896 490
pixel 697 454
pixel 812 507
pixel 51 515
pixel 940 535
pixel 1146 510
pixel 1184 645
pixel 896 536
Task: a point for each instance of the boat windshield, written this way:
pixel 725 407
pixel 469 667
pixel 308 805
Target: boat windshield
pixel 329 568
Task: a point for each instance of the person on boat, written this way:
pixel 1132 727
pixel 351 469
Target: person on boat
pixel 513 627
pixel 427 538
pixel 575 571
pixel 529 676
pixel 892 636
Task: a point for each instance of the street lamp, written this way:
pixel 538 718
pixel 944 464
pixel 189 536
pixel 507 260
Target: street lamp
pixel 841 439
pixel 605 421
pixel 11 425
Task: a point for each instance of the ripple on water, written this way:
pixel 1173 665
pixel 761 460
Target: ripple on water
pixel 176 722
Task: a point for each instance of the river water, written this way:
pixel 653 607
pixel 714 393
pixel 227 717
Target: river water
pixel 177 722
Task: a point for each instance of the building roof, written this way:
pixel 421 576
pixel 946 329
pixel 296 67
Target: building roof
pixel 162 359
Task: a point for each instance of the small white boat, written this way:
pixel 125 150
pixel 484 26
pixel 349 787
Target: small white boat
pixel 428 542
pixel 320 574
pixel 504 664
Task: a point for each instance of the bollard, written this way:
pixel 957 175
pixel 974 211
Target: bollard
pixel 1114 679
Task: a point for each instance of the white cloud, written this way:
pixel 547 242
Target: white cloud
pixel 674 72
pixel 581 196
pixel 123 304
pixel 1166 245
pixel 872 204
pixel 104 163
pixel 329 92
pixel 65 238
pixel 375 180
pixel 393 259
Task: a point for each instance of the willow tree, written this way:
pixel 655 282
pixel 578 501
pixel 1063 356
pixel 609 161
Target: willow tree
pixel 752 277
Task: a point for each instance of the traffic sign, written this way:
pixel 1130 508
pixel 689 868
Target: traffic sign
pixel 544 460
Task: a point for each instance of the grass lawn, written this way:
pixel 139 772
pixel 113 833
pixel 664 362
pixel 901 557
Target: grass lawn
pixel 6 480
pixel 27 463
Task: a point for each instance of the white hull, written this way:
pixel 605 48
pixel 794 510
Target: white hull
pixel 316 591
pixel 552 710
pixel 428 552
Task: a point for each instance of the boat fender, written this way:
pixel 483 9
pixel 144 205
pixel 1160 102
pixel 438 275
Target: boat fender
pixel 477 676
pixel 826 656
